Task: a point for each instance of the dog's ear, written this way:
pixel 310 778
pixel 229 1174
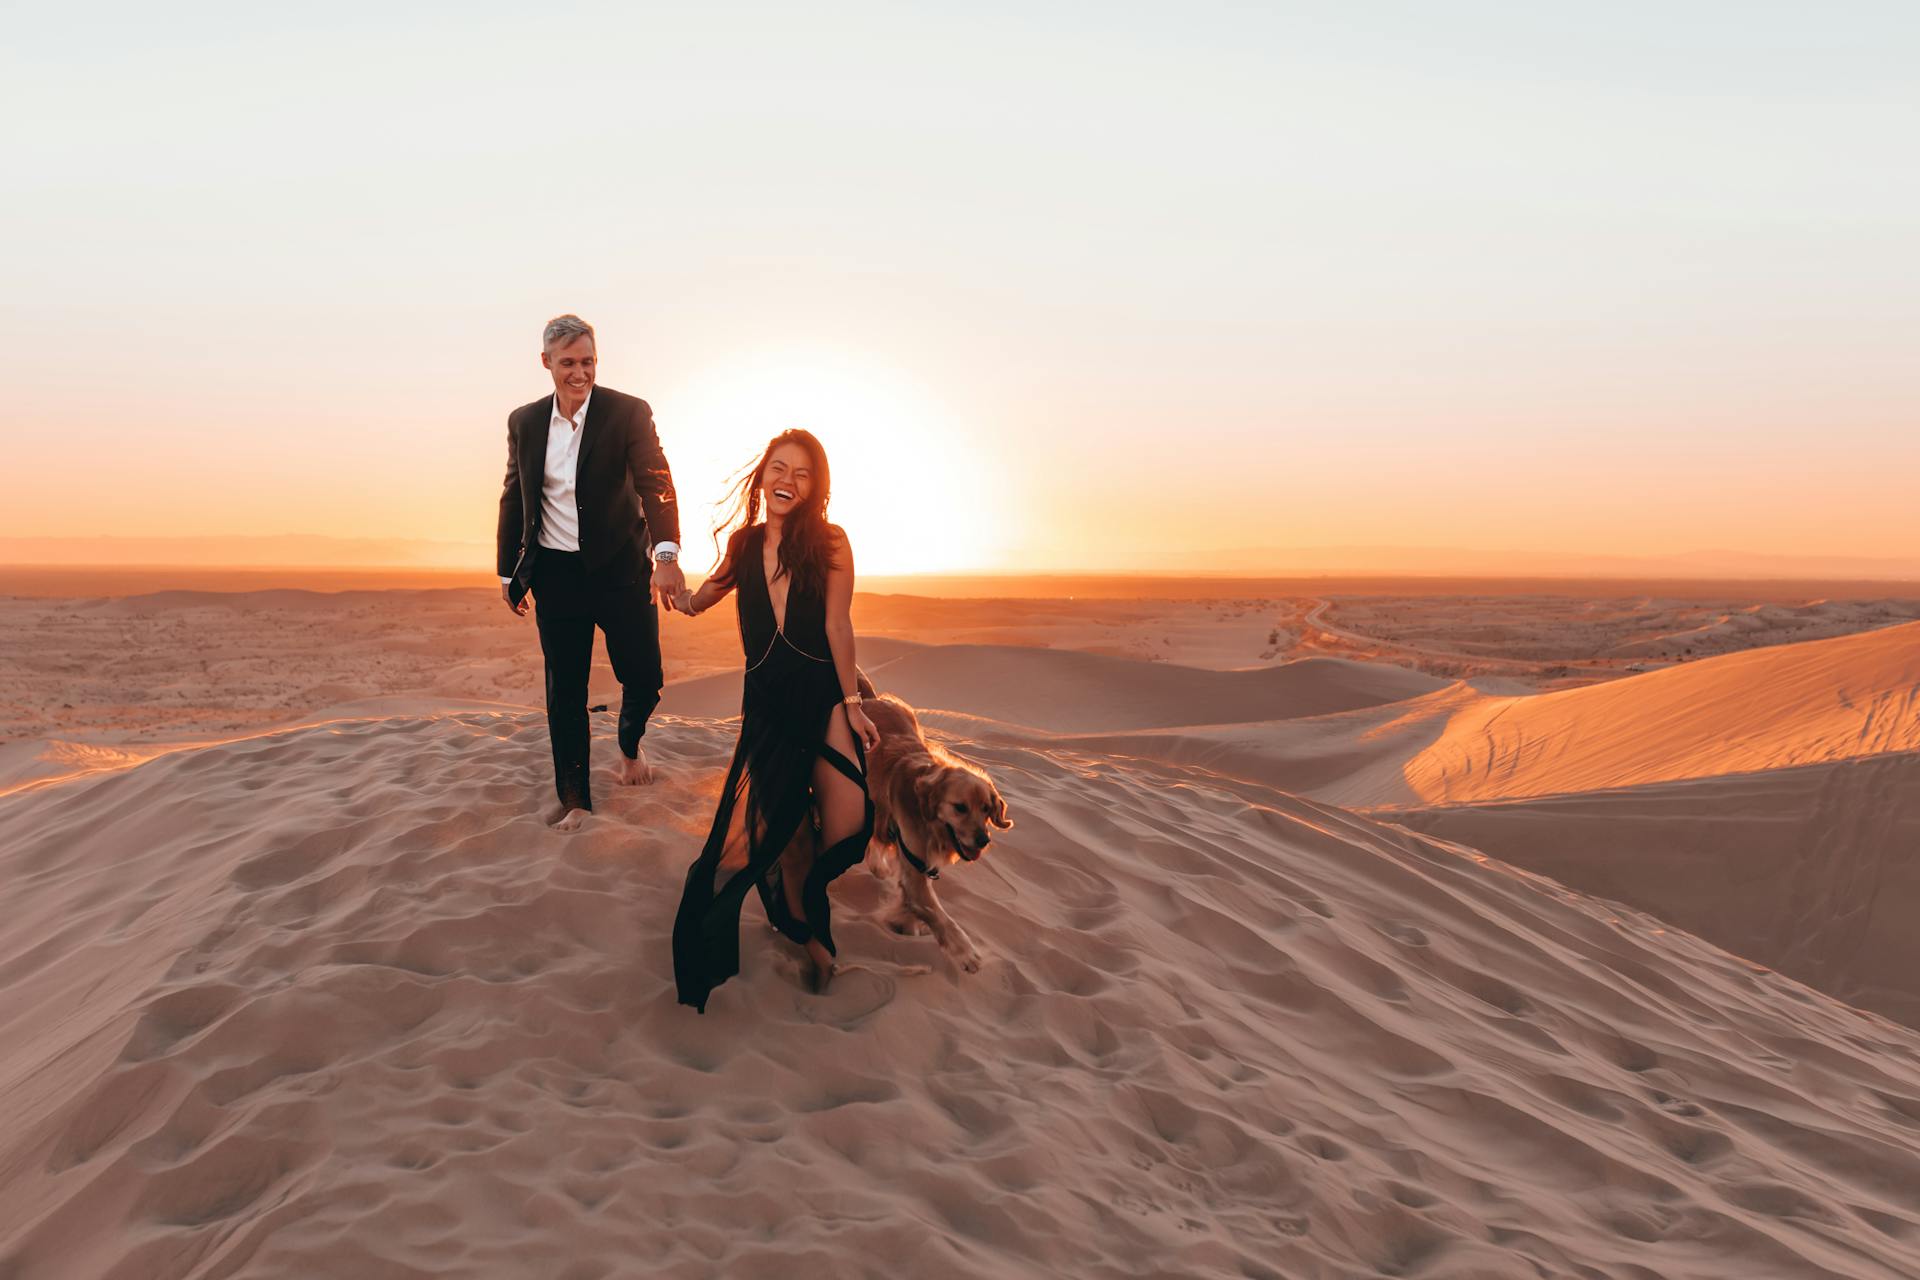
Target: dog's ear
pixel 930 789
pixel 997 809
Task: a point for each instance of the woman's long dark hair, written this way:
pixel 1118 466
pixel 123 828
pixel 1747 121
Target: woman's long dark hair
pixel 806 543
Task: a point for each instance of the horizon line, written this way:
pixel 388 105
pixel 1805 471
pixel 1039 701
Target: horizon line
pixel 978 575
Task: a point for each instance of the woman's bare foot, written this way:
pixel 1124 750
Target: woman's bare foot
pixel 570 820
pixel 819 970
pixel 635 772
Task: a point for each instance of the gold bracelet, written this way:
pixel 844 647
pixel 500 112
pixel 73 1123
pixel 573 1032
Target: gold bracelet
pixel 853 700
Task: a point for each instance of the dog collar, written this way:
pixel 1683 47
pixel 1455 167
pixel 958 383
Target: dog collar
pixel 900 843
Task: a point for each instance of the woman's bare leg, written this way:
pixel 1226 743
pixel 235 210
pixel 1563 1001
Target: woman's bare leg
pixel 841 804
pixel 795 862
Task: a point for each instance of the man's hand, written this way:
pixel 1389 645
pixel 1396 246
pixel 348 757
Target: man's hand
pixel 668 583
pixel 526 601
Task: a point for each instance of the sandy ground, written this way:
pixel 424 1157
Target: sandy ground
pixel 296 983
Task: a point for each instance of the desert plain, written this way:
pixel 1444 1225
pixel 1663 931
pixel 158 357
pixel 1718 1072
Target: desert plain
pixel 1348 928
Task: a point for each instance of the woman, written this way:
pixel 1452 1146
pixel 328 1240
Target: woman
pixel 798 774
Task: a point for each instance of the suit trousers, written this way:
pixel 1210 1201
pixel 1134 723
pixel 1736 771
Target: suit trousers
pixel 568 603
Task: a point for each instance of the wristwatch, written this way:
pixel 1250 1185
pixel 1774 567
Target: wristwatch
pixel 665 557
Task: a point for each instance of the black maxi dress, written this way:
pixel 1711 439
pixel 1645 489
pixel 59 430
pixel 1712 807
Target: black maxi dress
pixel 789 697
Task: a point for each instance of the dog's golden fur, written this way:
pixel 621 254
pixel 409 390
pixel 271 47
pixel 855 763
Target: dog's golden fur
pixel 942 808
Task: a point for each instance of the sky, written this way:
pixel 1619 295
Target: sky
pixel 1060 286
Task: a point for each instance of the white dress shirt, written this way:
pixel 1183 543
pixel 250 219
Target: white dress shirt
pixel 559 508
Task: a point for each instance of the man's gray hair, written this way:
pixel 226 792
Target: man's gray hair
pixel 564 329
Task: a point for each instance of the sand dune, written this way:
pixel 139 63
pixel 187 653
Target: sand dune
pixel 1353 758
pixel 1807 867
pixel 328 1002
pixel 1776 708
pixel 30 764
pixel 1066 691
pixel 1811 870
pixel 1773 708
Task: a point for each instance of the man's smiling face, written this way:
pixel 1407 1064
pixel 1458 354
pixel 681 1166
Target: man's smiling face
pixel 572 364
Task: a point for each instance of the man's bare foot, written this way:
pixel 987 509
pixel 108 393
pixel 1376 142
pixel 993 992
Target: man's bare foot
pixel 571 820
pixel 635 772
pixel 819 970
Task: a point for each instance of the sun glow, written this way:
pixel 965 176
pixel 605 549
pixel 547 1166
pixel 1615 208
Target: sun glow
pixel 913 495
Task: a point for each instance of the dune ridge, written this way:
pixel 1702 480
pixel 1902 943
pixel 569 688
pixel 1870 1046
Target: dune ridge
pixel 26 764
pixel 1773 708
pixel 1848 697
pixel 1071 691
pixel 329 1002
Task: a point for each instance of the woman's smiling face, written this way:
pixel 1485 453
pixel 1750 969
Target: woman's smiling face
pixel 787 480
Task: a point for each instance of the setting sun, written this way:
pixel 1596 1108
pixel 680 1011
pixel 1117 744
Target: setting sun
pixel 914 494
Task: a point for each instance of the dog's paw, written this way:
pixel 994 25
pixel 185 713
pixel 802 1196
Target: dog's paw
pixel 968 960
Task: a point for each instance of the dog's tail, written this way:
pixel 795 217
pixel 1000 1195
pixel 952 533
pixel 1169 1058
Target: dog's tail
pixel 865 685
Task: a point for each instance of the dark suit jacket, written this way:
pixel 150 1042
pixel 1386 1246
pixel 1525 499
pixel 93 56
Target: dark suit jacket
pixel 623 486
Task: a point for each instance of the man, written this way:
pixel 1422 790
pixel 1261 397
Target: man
pixel 587 487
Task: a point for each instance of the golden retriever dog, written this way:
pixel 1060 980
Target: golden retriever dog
pixel 931 809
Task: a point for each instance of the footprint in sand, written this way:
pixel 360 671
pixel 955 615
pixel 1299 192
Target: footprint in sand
pixel 856 994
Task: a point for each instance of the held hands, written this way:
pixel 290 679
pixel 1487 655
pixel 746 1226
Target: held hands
pixel 670 585
pixel 683 601
pixel 862 727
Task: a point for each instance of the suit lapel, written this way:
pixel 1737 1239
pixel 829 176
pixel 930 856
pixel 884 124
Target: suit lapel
pixel 592 429
pixel 533 455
